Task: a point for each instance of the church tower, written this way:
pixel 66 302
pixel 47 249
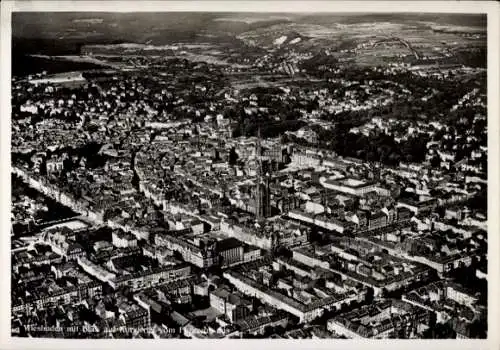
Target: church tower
pixel 261 192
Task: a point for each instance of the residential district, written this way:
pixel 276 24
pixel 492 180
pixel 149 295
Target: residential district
pixel 167 203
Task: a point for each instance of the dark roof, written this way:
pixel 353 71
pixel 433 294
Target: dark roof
pixel 228 243
pixel 377 215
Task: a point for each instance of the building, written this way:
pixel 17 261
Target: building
pixel 305 312
pixel 257 325
pixel 101 246
pixel 377 220
pixel 403 214
pixel 63 242
pixel 160 253
pixel 350 186
pixel 122 239
pixel 322 220
pixel 357 261
pixel 203 257
pixel 54 165
pixel 274 153
pixel 233 305
pixel 151 278
pixel 74 294
pixel 422 205
pixel 447 300
pixel 251 253
pixel 409 249
pixel 134 318
pixel 230 250
pixel 306 160
pixel 380 320
pixel 458 294
pixel 99 272
pixel 247 234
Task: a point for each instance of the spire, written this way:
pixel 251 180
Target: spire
pixel 258 152
pixel 258 189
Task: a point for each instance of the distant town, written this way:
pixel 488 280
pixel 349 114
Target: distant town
pixel 273 186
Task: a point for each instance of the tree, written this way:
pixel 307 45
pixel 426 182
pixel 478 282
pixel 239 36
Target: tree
pixel 440 331
pixel 284 139
pixel 484 162
pixel 369 295
pixel 233 156
pixel 178 255
pixel 479 328
pixel 435 161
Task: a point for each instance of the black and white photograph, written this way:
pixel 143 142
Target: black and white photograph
pixel 249 175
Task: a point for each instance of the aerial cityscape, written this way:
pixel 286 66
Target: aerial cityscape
pixel 249 175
